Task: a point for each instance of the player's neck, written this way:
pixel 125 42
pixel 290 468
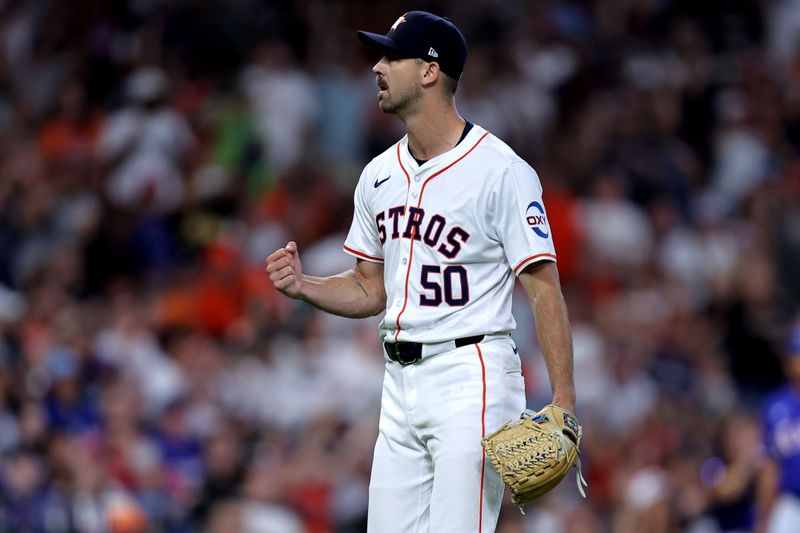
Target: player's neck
pixel 434 131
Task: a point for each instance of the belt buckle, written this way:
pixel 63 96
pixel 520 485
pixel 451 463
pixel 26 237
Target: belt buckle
pixel 404 353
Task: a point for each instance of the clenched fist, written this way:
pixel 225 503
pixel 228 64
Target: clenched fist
pixel 285 271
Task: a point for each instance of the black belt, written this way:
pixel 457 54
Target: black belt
pixel 408 353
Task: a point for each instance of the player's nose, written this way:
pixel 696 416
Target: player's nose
pixel 380 67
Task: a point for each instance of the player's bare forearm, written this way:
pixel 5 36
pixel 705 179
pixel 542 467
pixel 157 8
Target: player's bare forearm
pixel 357 293
pixel 542 286
pixel 354 293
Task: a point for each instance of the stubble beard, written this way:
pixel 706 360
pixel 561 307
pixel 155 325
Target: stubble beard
pixel 401 102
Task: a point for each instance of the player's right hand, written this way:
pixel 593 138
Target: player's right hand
pixel 285 271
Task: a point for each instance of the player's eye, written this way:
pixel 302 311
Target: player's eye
pixel 391 57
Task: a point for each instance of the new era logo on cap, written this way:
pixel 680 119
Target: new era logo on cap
pixel 423 35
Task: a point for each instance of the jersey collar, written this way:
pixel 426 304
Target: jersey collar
pixel 441 160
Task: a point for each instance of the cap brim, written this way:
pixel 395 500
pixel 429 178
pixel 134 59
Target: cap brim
pixel 379 43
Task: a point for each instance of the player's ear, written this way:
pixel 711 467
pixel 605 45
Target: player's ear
pixel 430 73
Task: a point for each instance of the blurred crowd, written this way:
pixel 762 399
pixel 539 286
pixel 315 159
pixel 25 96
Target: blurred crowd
pixel 154 152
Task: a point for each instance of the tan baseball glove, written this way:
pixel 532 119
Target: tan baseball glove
pixel 534 453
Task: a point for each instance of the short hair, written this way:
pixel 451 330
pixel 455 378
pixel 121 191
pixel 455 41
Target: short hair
pixel 449 83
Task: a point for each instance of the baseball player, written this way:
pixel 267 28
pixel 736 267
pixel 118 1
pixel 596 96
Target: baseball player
pixel 779 487
pixel 444 221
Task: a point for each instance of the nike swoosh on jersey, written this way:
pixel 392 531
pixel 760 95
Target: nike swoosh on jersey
pixel 381 182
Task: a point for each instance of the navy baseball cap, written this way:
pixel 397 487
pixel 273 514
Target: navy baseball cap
pixel 423 35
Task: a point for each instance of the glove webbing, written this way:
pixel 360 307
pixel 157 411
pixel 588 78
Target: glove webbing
pixel 579 479
pixel 526 461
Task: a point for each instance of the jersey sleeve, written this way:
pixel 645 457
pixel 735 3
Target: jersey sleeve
pixel 362 240
pixel 519 219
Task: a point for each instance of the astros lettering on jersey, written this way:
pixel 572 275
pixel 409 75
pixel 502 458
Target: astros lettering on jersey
pixel 452 233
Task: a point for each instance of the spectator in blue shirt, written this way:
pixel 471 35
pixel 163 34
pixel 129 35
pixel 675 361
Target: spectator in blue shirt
pixel 779 494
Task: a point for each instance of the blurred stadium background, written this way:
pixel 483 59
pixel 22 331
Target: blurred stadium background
pixel 153 152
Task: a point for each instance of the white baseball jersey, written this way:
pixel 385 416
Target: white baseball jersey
pixel 452 233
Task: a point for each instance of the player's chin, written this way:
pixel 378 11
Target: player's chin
pixel 387 106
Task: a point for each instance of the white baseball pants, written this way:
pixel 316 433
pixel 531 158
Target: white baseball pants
pixel 429 472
